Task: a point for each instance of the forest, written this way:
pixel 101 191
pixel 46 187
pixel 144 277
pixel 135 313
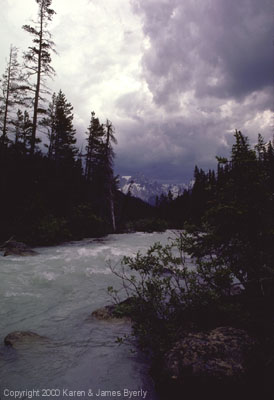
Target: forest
pixel 51 191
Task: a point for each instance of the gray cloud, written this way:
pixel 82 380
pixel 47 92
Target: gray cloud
pixel 209 69
pixel 216 48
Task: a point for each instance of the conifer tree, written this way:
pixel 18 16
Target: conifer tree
pixel 238 220
pixel 49 123
pixel 22 129
pixel 99 167
pixel 94 148
pixel 11 92
pixel 108 159
pixel 62 133
pixel 38 59
pixel 260 148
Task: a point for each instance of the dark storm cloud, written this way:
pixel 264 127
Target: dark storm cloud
pixel 169 150
pixel 217 48
pixel 209 69
pixel 168 147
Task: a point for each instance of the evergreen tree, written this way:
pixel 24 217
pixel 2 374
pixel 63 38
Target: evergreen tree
pixel 260 148
pixel 237 223
pixel 62 133
pixel 199 197
pixel 107 166
pixel 22 129
pixel 49 123
pixel 269 165
pixel 38 59
pixel 12 91
pixel 94 148
pixel 99 167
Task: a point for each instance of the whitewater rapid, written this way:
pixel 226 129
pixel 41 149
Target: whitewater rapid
pixel 54 294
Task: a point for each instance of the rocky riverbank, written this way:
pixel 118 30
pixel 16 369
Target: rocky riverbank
pixel 14 248
pixel 223 363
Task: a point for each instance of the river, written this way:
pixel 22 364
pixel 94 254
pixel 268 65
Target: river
pixel 53 294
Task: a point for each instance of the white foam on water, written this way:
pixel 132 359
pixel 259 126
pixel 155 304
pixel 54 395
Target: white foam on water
pixel 121 251
pixel 17 294
pixel 47 275
pixel 92 251
pixel 50 258
pixel 69 268
pixel 97 270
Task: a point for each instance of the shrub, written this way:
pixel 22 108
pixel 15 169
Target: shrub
pixel 172 293
pixel 165 292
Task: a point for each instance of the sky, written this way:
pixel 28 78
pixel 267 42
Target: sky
pixel 175 77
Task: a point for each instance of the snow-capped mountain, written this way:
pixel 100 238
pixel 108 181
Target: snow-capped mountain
pixel 146 189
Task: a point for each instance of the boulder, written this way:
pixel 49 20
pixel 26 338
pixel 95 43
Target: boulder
pixel 18 338
pixel 13 248
pixel 219 355
pixel 115 312
pixel 104 313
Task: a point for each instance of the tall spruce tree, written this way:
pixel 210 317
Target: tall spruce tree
pixel 94 148
pixel 11 92
pixel 49 123
pixel 38 59
pixel 99 167
pixel 62 132
pixel 22 129
pixel 108 158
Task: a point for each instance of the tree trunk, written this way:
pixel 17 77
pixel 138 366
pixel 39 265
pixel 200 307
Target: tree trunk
pixel 112 211
pixel 7 99
pixel 37 89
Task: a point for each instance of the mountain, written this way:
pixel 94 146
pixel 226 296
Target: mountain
pixel 146 189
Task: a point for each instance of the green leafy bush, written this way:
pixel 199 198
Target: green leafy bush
pixel 171 293
pixel 165 292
